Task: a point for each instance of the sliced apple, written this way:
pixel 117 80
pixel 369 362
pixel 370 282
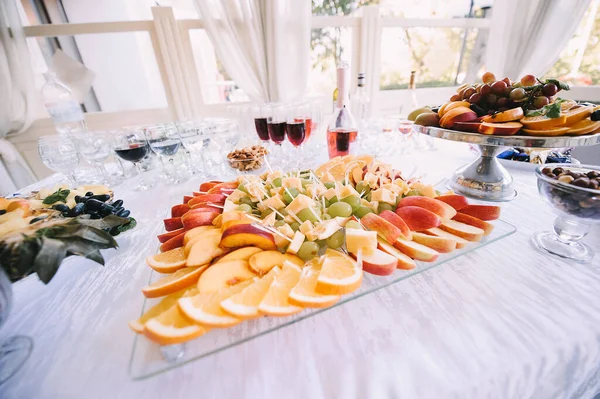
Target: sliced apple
pixel 397 221
pixel 416 251
pixel 229 223
pixel 208 198
pixel 440 244
pixel 458 114
pixel 175 242
pixel 469 233
pixel 208 234
pixel 440 208
pixel 173 224
pixel 223 275
pixel 208 207
pixel 187 198
pixel 473 221
pixel 384 229
pixel 207 186
pixel 472 127
pixel 196 231
pixel 460 242
pixel 196 219
pixel 262 262
pixel 510 115
pixel 456 201
pixel 500 129
pixel 203 249
pixel 404 261
pixel 179 210
pixel 245 235
pixel 483 212
pixel 417 218
pixel 378 262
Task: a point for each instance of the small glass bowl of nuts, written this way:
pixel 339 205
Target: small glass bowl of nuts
pixel 573 192
pixel 248 159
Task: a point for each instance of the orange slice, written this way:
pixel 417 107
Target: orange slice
pixel 245 304
pixel 165 304
pixel 557 131
pixel 276 302
pixel 568 104
pixel 304 294
pixel 205 308
pixel 171 283
pixel 583 127
pixel 451 105
pixel 167 262
pixel 340 274
pixel 541 122
pixel 170 328
pixel 577 114
pixel 509 115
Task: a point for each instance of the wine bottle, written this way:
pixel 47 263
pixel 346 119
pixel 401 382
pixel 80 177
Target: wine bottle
pixel 360 102
pixel 342 130
pixel 412 86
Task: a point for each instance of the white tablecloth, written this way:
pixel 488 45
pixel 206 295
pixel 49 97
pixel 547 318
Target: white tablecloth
pixel 505 321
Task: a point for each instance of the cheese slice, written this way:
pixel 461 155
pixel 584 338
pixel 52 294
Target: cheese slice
pixel 306 227
pixel 326 229
pixel 361 239
pixel 347 191
pixel 383 195
pixel 299 203
pixel 329 194
pixel 270 219
pixel 236 195
pixel 327 178
pixel 292 182
pixel 273 202
pixel 296 243
pixel 286 230
pixel 229 206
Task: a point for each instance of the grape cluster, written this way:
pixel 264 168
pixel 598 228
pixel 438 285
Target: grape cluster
pixel 499 95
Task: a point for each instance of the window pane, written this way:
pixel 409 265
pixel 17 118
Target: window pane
pixel 403 8
pixel 329 46
pixel 435 53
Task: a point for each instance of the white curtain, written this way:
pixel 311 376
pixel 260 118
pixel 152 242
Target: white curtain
pixel 263 44
pixel 18 97
pixel 526 37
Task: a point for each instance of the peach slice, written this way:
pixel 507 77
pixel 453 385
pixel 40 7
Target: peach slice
pixel 173 243
pixel 220 190
pixel 378 262
pixel 195 232
pixel 224 274
pixel 458 114
pixel 264 261
pixel 440 208
pixel 500 129
pixel 173 223
pixel 417 218
pixel 164 237
pixel 208 198
pixel 460 242
pixel 179 210
pixel 204 248
pixel 416 251
pixel 229 223
pixel 469 233
pixel 194 219
pixel 240 254
pixel 398 222
pixel 456 201
pixel 510 115
pixel 483 212
pixel 473 221
pixel 384 229
pixel 440 244
pixel 472 127
pixel 404 261
pixel 245 235
pixel 19 204
pixel 187 198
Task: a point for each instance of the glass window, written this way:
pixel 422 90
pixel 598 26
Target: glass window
pixel 329 46
pixel 403 8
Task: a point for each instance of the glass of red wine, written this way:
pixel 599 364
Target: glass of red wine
pixel 261 114
pixel 297 126
pixel 131 145
pixel 276 126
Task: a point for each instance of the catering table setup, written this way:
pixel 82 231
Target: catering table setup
pixel 321 266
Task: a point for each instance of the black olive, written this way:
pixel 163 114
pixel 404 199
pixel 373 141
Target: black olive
pixel 2 211
pixel 124 213
pixel 79 199
pixel 60 207
pixel 118 209
pixel 89 194
pixel 95 216
pixel 76 210
pixel 117 203
pixel 595 115
pixel 37 219
pixel 93 205
pixel 101 197
pixel 65 214
pixel 114 231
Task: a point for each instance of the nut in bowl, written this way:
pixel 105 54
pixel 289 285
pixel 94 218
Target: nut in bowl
pixel 573 193
pixel 248 160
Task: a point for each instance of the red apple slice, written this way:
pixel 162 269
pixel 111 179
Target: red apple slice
pixel 187 198
pixel 470 220
pixel 378 262
pixel 164 237
pixel 483 212
pixel 173 223
pixel 417 218
pixel 384 229
pixel 208 198
pixel 456 201
pixel 246 235
pixel 404 261
pixel 416 251
pixel 469 233
pixel 173 243
pixel 398 222
pixel 440 244
pixel 195 219
pixel 460 242
pixel 179 210
pixel 440 208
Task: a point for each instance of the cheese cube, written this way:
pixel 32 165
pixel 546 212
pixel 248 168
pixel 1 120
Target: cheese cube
pixel 296 243
pixel 256 189
pixel 286 230
pixel 371 179
pixel 347 191
pixel 276 191
pixel 299 203
pixel 326 229
pixel 327 178
pixel 236 195
pixel 306 227
pixel 292 182
pixel 361 239
pixel 329 194
pixel 274 202
pixel 383 195
pixel 270 219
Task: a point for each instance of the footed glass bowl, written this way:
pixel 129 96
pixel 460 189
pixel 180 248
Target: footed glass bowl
pixel 577 208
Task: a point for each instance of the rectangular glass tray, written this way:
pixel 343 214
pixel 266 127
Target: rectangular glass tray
pixel 149 359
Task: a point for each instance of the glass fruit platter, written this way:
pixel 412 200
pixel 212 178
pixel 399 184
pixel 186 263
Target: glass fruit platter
pixel 244 258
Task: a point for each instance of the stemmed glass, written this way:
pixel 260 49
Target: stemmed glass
pixel 192 136
pixel 131 145
pixel 164 142
pixel 59 154
pixel 261 115
pixel 276 128
pixel 94 147
pixel 296 128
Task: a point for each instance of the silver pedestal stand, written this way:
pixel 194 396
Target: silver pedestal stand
pixel 485 178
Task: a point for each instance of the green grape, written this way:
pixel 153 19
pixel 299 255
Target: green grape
pixel 306 214
pixel 266 213
pixel 438 192
pixel 276 182
pixel 295 226
pixel 329 184
pixel 326 216
pixel 242 188
pixel 384 207
pixel 306 182
pixel 413 192
pixel 279 223
pixel 321 243
pixel 368 197
pixel 353 201
pixel 244 208
pixel 308 250
pixel 353 224
pixel 363 188
pixel 362 211
pixel 333 200
pixel 246 200
pixel 289 195
pixel 336 239
pixel 256 212
pixel 341 209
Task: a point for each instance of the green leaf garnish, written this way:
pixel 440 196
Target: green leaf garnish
pixel 550 111
pixel 559 84
pixel 57 196
pixel 127 226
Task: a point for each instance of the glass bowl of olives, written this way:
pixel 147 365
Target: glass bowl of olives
pixel 573 192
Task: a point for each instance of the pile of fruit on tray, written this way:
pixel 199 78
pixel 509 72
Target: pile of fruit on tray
pixel 536 155
pixel 277 243
pixel 504 107
pixel 38 231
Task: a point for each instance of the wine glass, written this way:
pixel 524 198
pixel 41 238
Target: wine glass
pixel 15 350
pixel 59 154
pixel 94 147
pixel 131 145
pixel 296 126
pixel 576 205
pixel 192 136
pixel 261 114
pixel 164 142
pixel 276 128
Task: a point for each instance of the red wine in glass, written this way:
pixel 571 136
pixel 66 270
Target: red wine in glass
pixel 308 124
pixel 134 153
pixel 339 141
pixel 296 132
pixel 261 128
pixel 276 131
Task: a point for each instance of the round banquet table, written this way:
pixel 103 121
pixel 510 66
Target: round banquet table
pixel 504 321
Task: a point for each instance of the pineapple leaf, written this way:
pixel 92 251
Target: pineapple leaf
pixel 49 258
pixel 89 234
pixel 104 223
pixel 96 256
